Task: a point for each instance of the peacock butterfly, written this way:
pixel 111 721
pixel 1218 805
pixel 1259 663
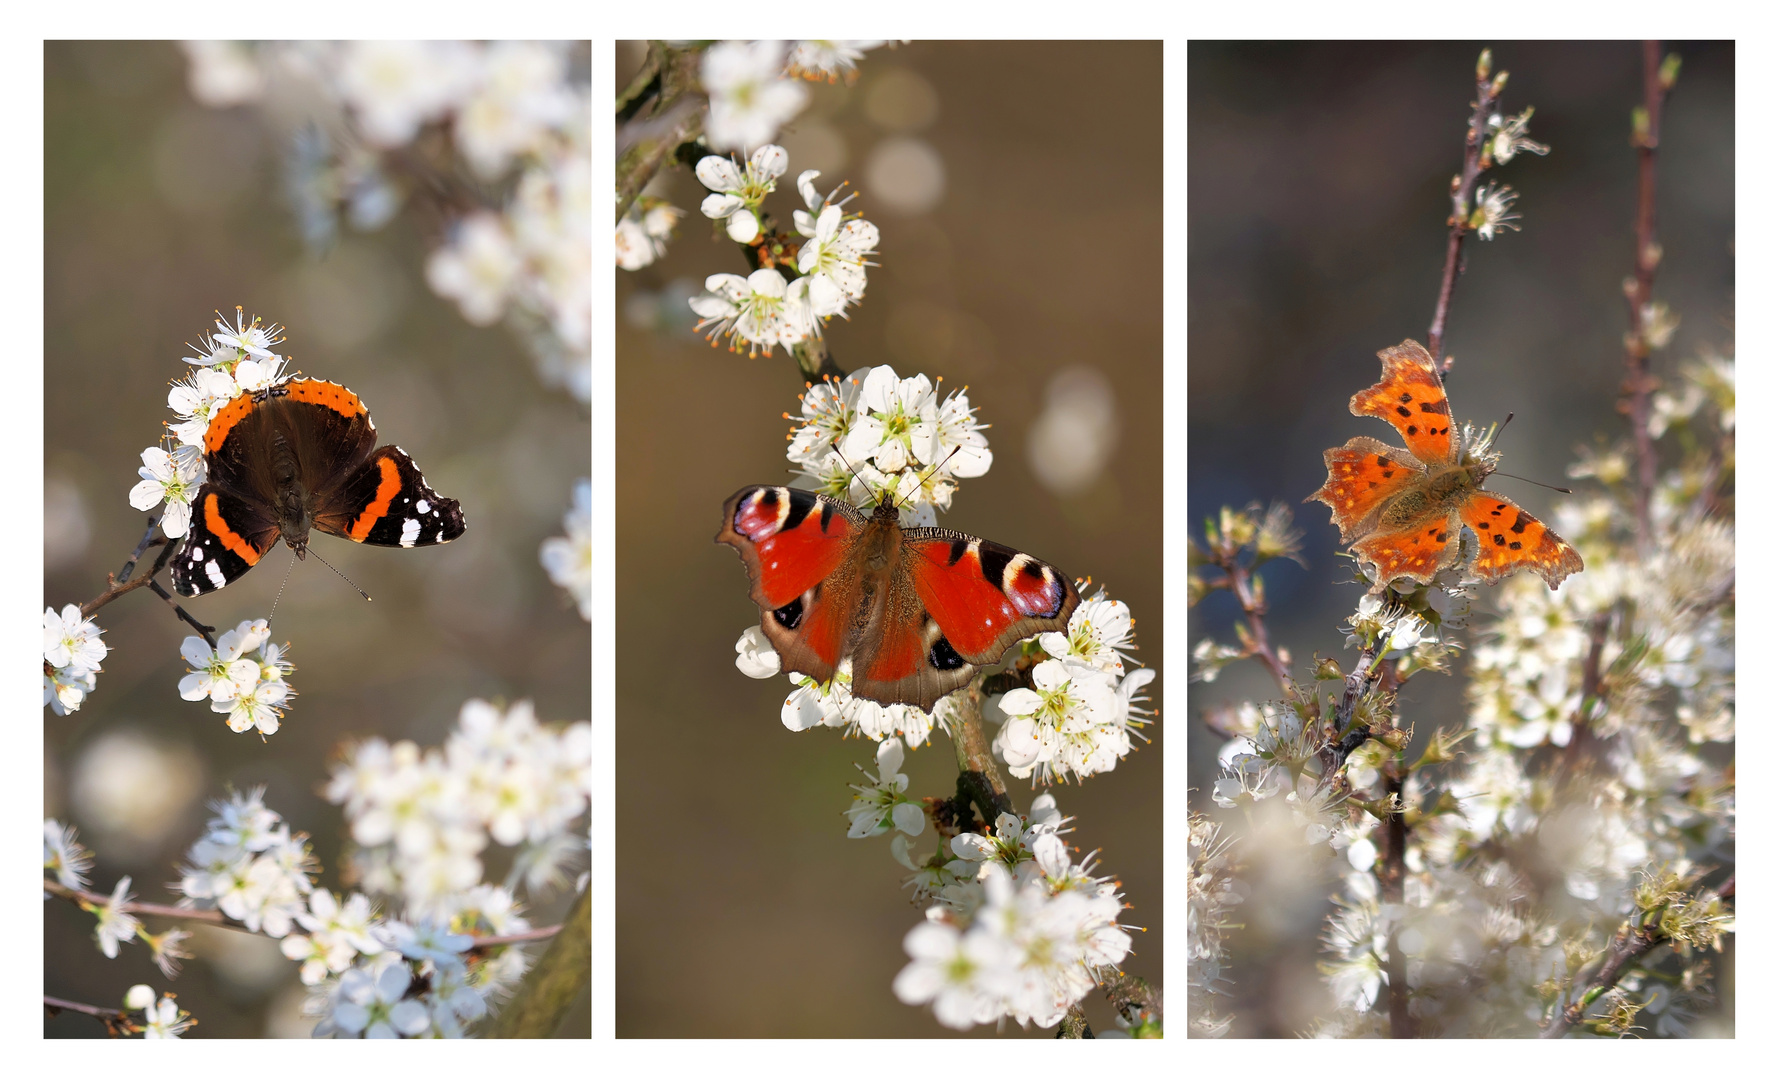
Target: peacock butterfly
pixel 918 610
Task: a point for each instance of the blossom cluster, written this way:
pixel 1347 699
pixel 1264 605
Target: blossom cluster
pixel 762 309
pixel 569 559
pixel 1084 708
pixel 644 230
pixel 72 653
pixel 1211 890
pixel 506 107
pixel 753 89
pixel 243 676
pixel 421 818
pixel 419 979
pixel 236 360
pixel 372 977
pixel 161 1019
pixel 250 866
pixel 1017 930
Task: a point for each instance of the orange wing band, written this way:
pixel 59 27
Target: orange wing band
pixel 234 541
pixel 387 489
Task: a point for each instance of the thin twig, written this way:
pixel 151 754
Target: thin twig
pixel 117 1022
pixel 117 585
pixel 1628 944
pixel 1488 91
pixel 1225 554
pixel 1241 584
pixel 213 917
pixel 1638 384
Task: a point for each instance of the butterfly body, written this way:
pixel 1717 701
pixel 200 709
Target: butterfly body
pixel 1403 511
pixel 916 610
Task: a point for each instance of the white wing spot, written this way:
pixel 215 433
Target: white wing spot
pixel 423 506
pixel 214 573
pixel 410 532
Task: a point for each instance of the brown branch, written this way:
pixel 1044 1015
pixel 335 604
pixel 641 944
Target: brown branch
pixel 1584 745
pixel 978 777
pixel 1392 870
pixel 1627 945
pixel 558 979
pixel 1646 137
pixel 117 1022
pixel 536 933
pixel 1488 92
pixel 664 114
pixel 1225 554
pixel 138 907
pixel 1339 743
pixel 213 917
pixel 1241 584
pixel 1133 998
pixel 1074 1025
pixel 120 583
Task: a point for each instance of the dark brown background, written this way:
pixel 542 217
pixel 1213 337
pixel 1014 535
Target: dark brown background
pixel 157 211
pixel 743 909
pixel 1318 191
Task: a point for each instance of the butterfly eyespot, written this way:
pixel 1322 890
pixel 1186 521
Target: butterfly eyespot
pixel 943 656
pixel 791 615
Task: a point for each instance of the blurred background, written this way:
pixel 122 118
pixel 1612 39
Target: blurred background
pixel 1318 194
pixel 158 211
pixel 1018 190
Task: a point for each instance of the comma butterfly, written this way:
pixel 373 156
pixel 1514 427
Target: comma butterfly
pixel 1401 511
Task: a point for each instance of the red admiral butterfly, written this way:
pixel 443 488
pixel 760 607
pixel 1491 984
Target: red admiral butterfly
pixel 918 610
pixel 299 454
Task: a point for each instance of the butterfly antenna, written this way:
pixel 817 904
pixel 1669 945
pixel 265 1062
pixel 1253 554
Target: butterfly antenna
pixel 287 569
pixel 939 465
pixel 1510 476
pixel 343 577
pixel 1540 483
pixel 835 446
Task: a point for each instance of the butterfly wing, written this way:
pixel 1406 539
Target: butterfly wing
pixel 1412 398
pixel 228 535
pixel 387 502
pixel 1510 539
pixel 1362 476
pixel 795 545
pixel 1417 551
pixel 956 603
